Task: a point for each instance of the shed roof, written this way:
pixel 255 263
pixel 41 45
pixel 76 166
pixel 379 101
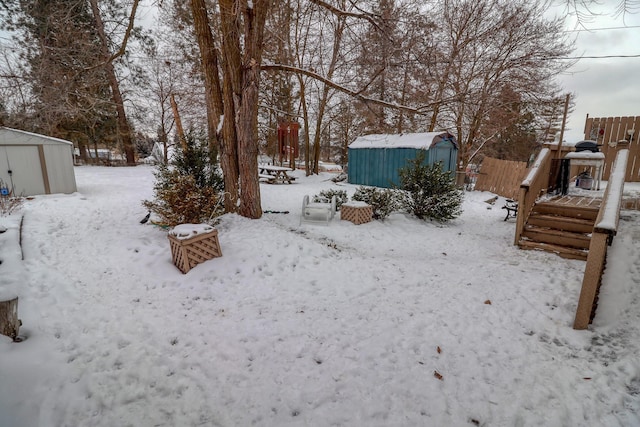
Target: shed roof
pixel 404 140
pixel 10 136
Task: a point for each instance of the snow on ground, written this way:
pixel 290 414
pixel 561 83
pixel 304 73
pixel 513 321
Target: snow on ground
pixel 394 323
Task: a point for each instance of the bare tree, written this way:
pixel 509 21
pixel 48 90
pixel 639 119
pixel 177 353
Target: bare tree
pixel 377 67
pixel 305 33
pixel 366 51
pixel 279 98
pixel 179 64
pixel 494 44
pixel 15 94
pixel 161 88
pixel 348 125
pixel 338 27
pixel 108 57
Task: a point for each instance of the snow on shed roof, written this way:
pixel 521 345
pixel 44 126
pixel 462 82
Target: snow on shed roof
pixel 404 140
pixel 10 136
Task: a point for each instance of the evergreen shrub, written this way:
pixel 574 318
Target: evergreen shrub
pixel 430 192
pixel 190 189
pixel 382 201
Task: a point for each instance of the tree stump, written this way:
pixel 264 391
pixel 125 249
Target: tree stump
pixel 9 322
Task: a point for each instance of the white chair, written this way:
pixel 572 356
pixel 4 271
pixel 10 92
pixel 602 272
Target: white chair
pixel 318 212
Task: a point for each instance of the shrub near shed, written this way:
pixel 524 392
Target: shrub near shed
pixel 430 192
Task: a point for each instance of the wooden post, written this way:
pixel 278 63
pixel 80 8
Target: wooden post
pixel 9 322
pixel 591 280
pixel 564 122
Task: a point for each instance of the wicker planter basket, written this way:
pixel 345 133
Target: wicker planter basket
pixel 356 212
pixel 191 249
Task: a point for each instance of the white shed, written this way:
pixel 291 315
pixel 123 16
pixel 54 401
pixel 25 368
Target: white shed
pixel 32 164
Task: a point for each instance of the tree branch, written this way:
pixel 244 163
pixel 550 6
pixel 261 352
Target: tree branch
pixel 123 46
pixel 336 86
pixel 340 12
pixel 475 153
pixel 127 33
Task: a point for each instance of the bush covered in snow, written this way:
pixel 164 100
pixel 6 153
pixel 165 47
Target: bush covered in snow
pixel 190 189
pixel 382 201
pixel 430 192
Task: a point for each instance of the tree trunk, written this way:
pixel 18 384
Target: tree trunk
pixel 9 322
pixel 123 124
pixel 247 119
pixel 178 121
pixel 231 89
pixel 84 156
pixel 229 151
pixel 305 119
pixel 242 70
pixel 213 88
pixel 247 124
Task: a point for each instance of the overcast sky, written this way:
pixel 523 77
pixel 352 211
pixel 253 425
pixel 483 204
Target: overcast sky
pixel 604 87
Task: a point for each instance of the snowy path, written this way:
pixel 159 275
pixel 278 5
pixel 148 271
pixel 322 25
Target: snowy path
pixel 310 325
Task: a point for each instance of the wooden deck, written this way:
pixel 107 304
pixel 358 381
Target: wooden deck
pixel 592 202
pixel 571 206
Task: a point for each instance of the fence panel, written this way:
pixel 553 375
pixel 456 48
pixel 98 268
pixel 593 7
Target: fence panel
pixel 608 132
pixel 501 177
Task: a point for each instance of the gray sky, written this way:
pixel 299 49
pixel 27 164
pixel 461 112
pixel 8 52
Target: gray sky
pixel 605 87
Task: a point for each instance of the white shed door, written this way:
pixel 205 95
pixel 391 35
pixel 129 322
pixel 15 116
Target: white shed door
pixel 23 161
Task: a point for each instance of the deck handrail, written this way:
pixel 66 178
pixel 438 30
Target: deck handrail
pixel 533 185
pixel 606 226
pixel 609 213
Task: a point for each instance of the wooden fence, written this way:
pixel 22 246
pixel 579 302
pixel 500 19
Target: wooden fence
pixel 609 132
pixel 501 177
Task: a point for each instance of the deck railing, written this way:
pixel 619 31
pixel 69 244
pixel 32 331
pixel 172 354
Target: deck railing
pixel 534 184
pixel 606 226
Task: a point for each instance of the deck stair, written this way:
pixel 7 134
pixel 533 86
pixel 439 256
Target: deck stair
pixel 562 225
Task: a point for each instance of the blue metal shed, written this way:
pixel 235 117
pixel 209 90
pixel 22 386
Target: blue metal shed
pixel 375 159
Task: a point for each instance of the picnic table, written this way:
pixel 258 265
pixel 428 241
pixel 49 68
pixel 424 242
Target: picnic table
pixel 275 174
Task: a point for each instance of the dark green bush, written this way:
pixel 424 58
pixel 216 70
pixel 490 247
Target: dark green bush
pixel 383 202
pixel 196 161
pixel 430 192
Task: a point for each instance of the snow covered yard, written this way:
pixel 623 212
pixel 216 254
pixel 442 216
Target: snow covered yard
pixel 394 323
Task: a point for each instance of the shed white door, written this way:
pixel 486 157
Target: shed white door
pixel 23 161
